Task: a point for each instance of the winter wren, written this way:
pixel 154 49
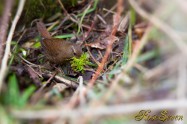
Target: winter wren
pixel 57 50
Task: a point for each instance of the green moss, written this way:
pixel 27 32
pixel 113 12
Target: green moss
pixel 1 7
pixel 69 3
pixel 78 64
pixel 44 9
pixel 36 9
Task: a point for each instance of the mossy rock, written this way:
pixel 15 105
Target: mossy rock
pixel 35 9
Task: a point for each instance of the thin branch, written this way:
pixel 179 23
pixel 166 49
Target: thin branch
pixel 181 85
pixel 112 39
pixel 182 79
pixel 73 102
pixel 100 111
pixel 4 25
pixel 69 16
pixel 128 66
pixel 4 65
pixel 65 81
pixel 109 46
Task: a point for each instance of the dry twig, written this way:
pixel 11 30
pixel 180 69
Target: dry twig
pixel 4 25
pixel 65 81
pixel 128 66
pixel 100 111
pixel 4 65
pixel 73 102
pixel 109 46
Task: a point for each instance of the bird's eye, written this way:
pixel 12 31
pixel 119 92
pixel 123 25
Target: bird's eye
pixel 74 51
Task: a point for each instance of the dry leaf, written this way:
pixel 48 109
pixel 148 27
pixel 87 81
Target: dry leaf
pixel 102 44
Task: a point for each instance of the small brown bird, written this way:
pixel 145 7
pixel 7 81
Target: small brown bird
pixel 57 50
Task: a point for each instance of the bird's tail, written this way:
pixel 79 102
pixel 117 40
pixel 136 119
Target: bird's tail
pixel 42 30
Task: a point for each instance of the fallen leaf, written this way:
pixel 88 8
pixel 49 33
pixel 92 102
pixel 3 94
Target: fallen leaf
pixel 102 44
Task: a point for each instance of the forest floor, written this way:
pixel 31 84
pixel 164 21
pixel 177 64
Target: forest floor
pixel 133 62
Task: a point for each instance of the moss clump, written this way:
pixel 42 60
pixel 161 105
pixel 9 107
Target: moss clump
pixel 35 9
pixel 69 3
pixel 1 7
pixel 78 64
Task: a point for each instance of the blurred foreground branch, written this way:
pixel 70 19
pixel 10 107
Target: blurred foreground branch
pixel 4 25
pixel 4 64
pixel 100 111
pixel 170 32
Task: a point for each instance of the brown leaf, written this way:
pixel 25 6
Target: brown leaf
pixel 124 23
pixel 140 28
pixel 102 44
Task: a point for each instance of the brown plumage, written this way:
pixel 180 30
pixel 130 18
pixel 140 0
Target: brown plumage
pixel 57 50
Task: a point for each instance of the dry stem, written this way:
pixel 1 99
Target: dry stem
pixel 4 65
pixel 4 25
pixel 109 47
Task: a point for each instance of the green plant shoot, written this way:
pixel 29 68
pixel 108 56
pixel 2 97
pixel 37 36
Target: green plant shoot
pixel 78 64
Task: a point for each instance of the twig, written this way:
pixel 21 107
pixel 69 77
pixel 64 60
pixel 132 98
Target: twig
pixel 29 63
pixel 182 79
pixel 93 58
pixel 59 79
pixel 110 11
pixel 79 93
pixel 72 103
pixel 128 66
pixel 4 25
pixel 109 46
pixel 34 76
pixel 70 17
pixel 136 52
pixel 82 18
pixel 37 95
pixel 181 85
pixel 101 19
pixel 100 111
pixel 3 69
pixel 63 8
pixel 51 78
